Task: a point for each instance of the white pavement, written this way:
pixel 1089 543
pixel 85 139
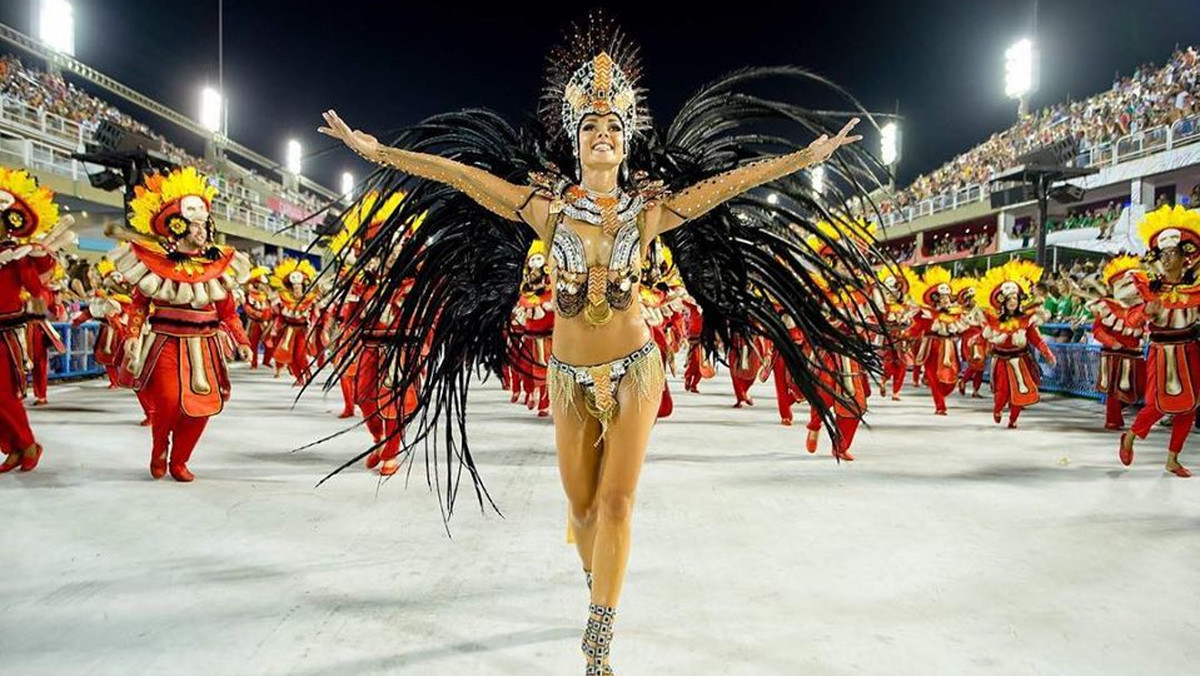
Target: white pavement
pixel 950 547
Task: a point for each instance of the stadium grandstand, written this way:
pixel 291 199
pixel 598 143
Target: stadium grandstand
pixel 1142 136
pixel 46 117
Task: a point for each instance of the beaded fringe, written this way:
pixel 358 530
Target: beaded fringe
pixel 646 374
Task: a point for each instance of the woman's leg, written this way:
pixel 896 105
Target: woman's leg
pixel 575 439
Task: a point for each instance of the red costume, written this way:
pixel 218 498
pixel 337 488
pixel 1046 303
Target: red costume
pixel 973 349
pixel 938 323
pixel 698 366
pixel 897 352
pixel 1011 330
pixel 745 366
pixel 1122 376
pixel 259 312
pixel 28 239
pixel 296 308
pixel 43 308
pixel 786 392
pixel 182 301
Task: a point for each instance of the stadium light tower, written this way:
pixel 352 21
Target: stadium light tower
pixel 1020 73
pixel 889 149
pixel 292 161
pixel 210 109
pixel 347 186
pixel 55 25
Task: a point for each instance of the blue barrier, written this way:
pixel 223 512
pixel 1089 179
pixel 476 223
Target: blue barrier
pixel 78 360
pixel 1076 372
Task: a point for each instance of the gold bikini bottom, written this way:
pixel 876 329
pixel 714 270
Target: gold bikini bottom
pixel 596 386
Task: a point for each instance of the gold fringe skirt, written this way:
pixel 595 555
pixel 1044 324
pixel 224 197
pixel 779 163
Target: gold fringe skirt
pixel 593 389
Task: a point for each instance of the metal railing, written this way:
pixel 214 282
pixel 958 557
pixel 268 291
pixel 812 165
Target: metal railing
pixel 77 361
pixel 1111 153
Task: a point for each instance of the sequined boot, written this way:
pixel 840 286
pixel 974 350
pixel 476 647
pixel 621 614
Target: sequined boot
pixel 597 637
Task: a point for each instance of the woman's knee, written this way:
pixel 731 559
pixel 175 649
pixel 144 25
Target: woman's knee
pixel 615 506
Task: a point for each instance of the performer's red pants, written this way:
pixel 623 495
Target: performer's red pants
pixel 257 336
pixel 1113 414
pixel 741 388
pixel 347 383
pixel 895 370
pixel 975 377
pixel 39 354
pixel 691 374
pixel 170 427
pixel 1181 426
pixel 846 427
pixel 939 390
pixel 784 396
pixel 15 433
pixel 1000 400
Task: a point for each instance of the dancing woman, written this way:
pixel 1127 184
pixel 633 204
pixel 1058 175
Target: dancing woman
pixel 739 252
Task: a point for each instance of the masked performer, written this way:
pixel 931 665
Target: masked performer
pixel 894 284
pixel 259 312
pixel 599 215
pixel 297 299
pixel 1122 375
pixel 31 232
pixel 972 346
pixel 939 323
pixel 1170 298
pixel 183 298
pixel 1011 330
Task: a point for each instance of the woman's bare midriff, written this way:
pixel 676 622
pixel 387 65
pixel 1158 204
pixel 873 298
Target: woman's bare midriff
pixel 578 343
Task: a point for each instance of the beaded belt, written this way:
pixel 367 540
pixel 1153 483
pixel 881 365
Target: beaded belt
pixel 1169 336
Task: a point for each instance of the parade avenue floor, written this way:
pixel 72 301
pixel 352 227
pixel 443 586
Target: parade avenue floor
pixel 952 546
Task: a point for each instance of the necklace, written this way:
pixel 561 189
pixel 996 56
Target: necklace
pixel 608 210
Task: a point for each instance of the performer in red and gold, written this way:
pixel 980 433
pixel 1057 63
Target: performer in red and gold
pixel 259 312
pixel 44 307
pixel 786 392
pixel 31 232
pixel 1170 309
pixel 1011 329
pixel 894 285
pixel 534 315
pixel 973 349
pixel 297 300
pixel 1122 376
pixel 938 323
pixel 661 287
pixel 183 297
pixel 698 365
pixel 107 304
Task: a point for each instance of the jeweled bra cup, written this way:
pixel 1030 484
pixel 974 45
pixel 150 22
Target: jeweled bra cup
pixel 597 289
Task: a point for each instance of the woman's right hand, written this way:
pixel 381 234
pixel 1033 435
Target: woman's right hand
pixel 359 141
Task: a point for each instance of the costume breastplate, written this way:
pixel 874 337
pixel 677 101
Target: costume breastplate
pixel 596 290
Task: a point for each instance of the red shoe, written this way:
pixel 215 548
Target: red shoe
pixel 1125 451
pixel 39 402
pixel 895 397
pixel 1180 471
pixel 1012 425
pixel 372 459
pixel 786 422
pixel 11 462
pixel 1113 426
pixel 996 417
pixel 810 442
pixel 346 414
pixel 976 395
pixel 942 411
pixel 182 474
pixel 29 461
pixel 749 400
pixel 514 398
pixel 145 422
pixel 544 413
pixel 844 455
pixel 389 467
pixel 738 405
pixel 158 466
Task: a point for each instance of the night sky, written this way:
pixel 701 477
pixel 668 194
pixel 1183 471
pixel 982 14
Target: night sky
pixel 383 65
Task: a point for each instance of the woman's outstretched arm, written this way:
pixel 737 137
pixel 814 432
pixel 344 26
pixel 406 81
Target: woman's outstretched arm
pixel 507 200
pixel 699 199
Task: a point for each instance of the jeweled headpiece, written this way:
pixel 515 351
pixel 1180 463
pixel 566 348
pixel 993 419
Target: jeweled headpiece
pixel 595 71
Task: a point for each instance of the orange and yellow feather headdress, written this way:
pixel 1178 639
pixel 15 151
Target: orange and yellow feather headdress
pixel 33 211
pixel 155 208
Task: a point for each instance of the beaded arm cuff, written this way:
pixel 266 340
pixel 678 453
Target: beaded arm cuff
pixel 708 194
pixel 491 192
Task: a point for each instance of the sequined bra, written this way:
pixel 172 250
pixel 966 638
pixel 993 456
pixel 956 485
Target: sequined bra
pixel 597 290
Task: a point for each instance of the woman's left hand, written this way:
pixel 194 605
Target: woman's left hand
pixel 823 147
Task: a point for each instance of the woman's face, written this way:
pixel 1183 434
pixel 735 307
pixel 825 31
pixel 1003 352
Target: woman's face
pixel 602 141
pixel 1011 303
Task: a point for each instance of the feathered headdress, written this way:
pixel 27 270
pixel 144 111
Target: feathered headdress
pixel 368 210
pixel 1119 266
pixel 898 279
pixel 285 268
pixel 105 267
pixel 26 208
pixel 1015 277
pixel 859 232
pixel 1171 226
pixel 155 209
pixel 595 70
pixel 260 273
pixel 936 280
pixel 963 288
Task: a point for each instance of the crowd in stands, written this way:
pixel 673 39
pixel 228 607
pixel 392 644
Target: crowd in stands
pixel 52 94
pixel 1151 97
pixel 967 244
